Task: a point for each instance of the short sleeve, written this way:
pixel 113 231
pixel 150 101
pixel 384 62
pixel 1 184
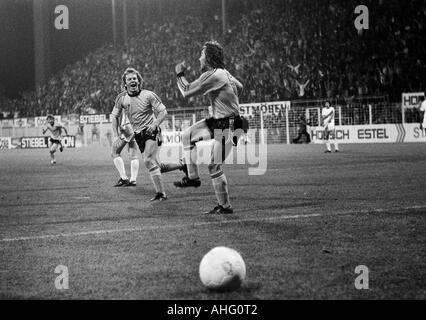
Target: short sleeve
pixel 156 103
pixel 118 106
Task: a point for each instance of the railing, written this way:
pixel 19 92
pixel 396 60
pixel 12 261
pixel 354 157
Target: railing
pixel 281 127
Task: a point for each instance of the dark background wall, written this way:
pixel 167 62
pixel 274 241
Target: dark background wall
pixel 90 26
pixel 16 46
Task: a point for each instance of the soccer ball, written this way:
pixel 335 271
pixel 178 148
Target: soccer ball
pixel 222 269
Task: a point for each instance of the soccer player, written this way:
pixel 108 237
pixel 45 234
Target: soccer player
pixel 327 118
pixel 124 135
pixel 140 105
pixel 55 136
pixel 422 110
pixel 223 90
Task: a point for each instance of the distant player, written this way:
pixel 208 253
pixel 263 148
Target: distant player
pixel 124 135
pixel 327 118
pixel 422 110
pixel 55 139
pixel 223 90
pixel 140 105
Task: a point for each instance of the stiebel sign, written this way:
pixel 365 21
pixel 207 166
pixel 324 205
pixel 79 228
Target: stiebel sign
pixel 95 118
pixel 43 142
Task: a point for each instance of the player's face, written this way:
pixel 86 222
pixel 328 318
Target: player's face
pixel 51 122
pixel 203 59
pixel 327 105
pixel 132 83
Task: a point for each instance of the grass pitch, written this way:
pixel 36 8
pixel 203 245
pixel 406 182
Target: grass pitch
pixel 302 228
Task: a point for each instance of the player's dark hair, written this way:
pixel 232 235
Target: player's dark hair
pixel 50 116
pixel 214 55
pixel 129 71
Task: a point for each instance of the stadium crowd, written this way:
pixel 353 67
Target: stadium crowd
pixel 279 49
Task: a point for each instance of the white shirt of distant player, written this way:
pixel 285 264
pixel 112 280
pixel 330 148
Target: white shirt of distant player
pixel 329 120
pixel 423 109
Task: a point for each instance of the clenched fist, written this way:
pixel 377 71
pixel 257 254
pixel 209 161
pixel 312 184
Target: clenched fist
pixel 180 69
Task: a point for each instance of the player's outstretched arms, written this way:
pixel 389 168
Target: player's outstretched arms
pixel 180 69
pixel 187 89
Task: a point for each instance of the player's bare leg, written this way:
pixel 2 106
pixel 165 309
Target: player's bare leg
pixel 134 163
pixel 197 132
pixel 327 141
pixel 220 152
pixel 53 147
pixel 117 147
pixel 167 167
pixel 150 160
pixel 336 144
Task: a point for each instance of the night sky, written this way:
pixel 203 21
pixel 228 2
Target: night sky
pixel 16 46
pixel 90 26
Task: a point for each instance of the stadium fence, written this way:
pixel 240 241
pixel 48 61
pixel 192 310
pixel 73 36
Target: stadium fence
pixel 279 120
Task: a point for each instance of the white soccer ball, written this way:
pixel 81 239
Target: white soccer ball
pixel 222 269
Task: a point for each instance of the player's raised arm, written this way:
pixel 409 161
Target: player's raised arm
pixel 65 130
pixel 45 128
pixel 186 89
pixel 207 82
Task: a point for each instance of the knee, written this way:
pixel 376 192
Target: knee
pixel 214 167
pixel 149 162
pixel 114 152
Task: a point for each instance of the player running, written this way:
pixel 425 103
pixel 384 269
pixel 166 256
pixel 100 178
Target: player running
pixel 140 105
pixel 223 90
pixel 124 135
pixel 55 139
pixel 327 118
